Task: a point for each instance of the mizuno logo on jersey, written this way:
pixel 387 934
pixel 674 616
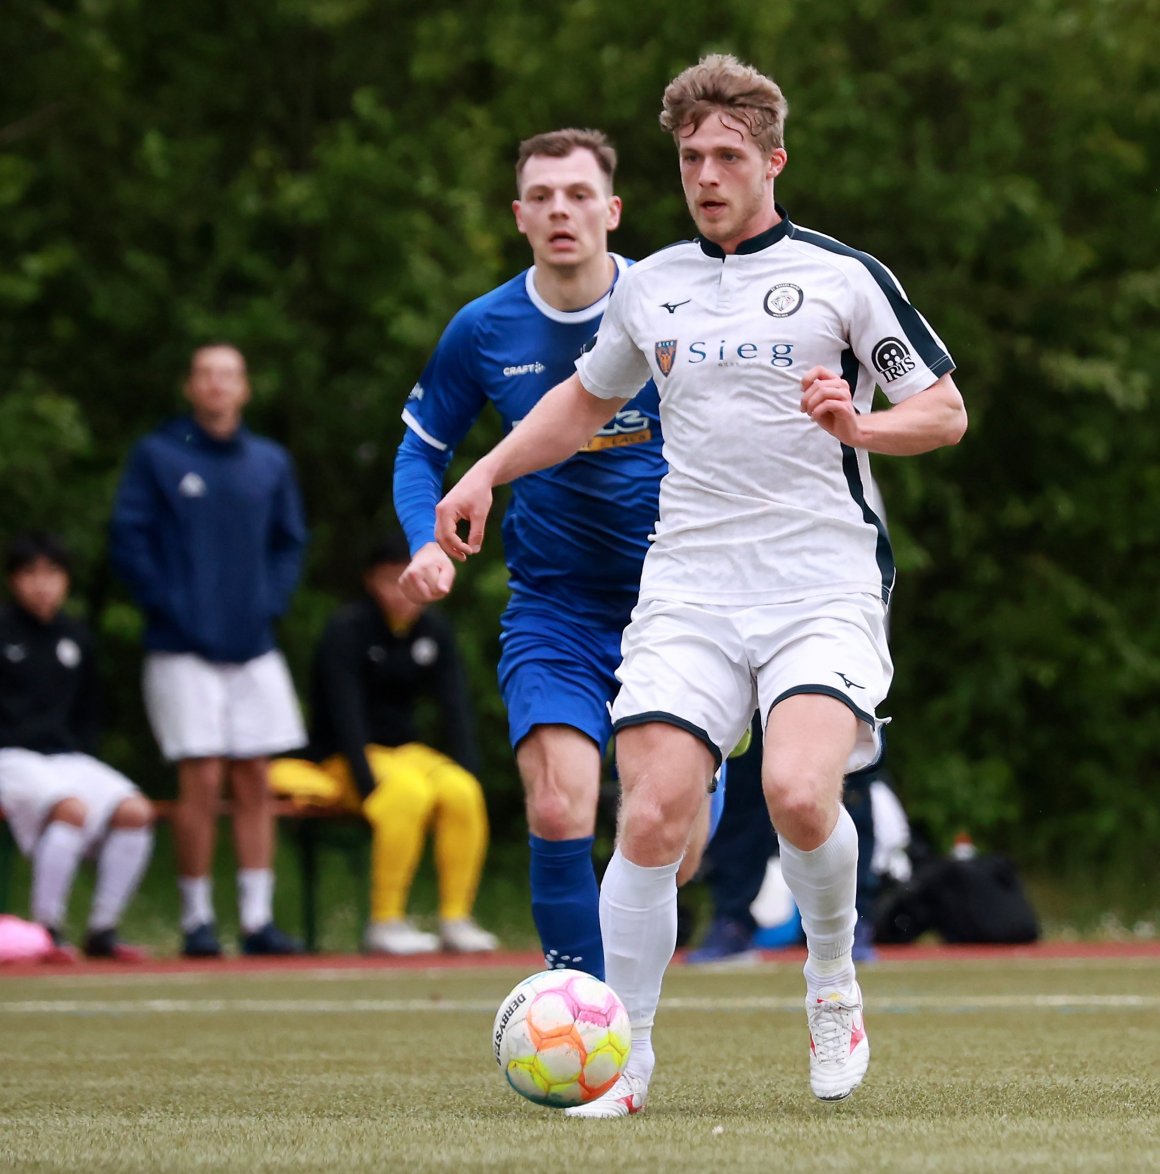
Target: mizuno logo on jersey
pixel 847 682
pixel 416 392
pixel 672 307
pixel 536 368
pixel 665 352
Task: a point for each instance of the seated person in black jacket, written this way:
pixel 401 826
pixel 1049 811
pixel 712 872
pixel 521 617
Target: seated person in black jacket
pixel 377 659
pixel 61 803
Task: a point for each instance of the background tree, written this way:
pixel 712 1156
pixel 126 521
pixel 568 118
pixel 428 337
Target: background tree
pixel 326 181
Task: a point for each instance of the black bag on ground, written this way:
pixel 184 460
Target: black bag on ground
pixel 977 900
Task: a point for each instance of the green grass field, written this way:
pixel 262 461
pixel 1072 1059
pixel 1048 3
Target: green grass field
pixel 978 1066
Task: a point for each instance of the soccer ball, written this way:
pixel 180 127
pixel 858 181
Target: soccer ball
pixel 561 1038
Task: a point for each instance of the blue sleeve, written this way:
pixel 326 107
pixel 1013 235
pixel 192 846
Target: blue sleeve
pixel 418 485
pixel 132 533
pixel 439 412
pixel 287 540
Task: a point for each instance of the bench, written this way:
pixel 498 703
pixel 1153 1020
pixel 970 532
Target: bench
pixel 316 828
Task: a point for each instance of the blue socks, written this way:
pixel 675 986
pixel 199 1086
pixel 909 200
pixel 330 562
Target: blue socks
pixel 566 904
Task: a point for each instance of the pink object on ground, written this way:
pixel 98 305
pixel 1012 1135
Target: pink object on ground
pixel 23 941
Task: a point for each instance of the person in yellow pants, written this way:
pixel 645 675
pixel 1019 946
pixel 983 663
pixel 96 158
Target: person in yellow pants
pixel 376 659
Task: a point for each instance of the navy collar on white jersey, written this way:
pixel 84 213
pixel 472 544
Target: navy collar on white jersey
pixel 754 244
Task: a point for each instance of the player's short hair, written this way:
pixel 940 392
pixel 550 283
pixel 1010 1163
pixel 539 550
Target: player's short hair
pixel 557 144
pixel 25 548
pixel 387 549
pixel 721 83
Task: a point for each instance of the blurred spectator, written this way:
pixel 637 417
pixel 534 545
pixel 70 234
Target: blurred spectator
pixel 208 533
pixel 378 659
pixel 61 803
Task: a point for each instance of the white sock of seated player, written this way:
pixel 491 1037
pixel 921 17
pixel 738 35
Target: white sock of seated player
pixel 120 866
pixel 55 860
pixel 255 898
pixel 196 902
pixel 638 921
pixel 824 883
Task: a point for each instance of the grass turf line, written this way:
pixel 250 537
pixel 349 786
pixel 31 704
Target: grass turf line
pixel 964 1077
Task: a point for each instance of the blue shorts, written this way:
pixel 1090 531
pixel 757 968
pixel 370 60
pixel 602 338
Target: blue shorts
pixel 557 669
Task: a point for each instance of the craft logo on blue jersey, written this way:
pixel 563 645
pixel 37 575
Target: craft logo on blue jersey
pixel 891 359
pixel 665 352
pixel 783 300
pixel 536 368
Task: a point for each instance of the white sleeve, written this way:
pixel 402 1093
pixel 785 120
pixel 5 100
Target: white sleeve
pixel 612 365
pixel 891 338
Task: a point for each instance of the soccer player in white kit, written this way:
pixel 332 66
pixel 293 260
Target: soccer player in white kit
pixel 767 581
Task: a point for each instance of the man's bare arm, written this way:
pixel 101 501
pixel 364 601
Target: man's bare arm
pixel 564 420
pixel 931 419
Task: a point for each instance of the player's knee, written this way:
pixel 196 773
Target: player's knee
pixel 136 812
pixel 71 811
pixel 796 796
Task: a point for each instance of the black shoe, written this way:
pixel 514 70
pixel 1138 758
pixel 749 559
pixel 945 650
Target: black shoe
pixel 202 942
pixel 105 944
pixel 270 940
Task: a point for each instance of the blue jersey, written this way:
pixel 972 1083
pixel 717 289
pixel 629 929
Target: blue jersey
pixel 577 531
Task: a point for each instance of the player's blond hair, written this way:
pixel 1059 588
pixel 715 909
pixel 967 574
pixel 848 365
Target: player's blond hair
pixel 557 144
pixel 719 83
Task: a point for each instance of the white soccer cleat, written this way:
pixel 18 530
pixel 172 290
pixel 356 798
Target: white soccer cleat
pixel 839 1047
pixel 626 1097
pixel 464 936
pixel 397 937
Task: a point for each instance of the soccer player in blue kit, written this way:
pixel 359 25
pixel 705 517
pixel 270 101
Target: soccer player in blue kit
pixel 575 535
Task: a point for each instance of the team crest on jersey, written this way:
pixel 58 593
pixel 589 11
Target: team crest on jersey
pixel 665 352
pixel 891 359
pixel 783 300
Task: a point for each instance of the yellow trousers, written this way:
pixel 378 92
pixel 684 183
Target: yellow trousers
pixel 415 787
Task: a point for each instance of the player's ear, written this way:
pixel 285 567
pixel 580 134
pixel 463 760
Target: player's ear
pixel 777 162
pixel 614 206
pixel 517 211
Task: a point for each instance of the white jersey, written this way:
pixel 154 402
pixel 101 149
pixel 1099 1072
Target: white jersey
pixel 760 504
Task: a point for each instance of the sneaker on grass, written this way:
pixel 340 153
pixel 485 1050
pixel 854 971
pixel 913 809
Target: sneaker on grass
pixel 269 941
pixel 463 936
pixel 839 1047
pixel 398 937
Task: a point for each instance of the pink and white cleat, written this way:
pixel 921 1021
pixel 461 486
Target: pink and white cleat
pixel 839 1047
pixel 626 1097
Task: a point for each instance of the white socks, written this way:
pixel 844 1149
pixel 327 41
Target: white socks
pixel 120 866
pixel 196 902
pixel 255 898
pixel 55 859
pixel 638 921
pixel 824 883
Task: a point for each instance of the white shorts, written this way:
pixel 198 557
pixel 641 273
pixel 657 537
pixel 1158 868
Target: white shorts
pixel 202 710
pixel 706 669
pixel 32 784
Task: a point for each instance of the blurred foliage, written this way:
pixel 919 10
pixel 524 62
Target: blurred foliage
pixel 326 181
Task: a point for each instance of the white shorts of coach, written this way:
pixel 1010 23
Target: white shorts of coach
pixel 32 784
pixel 707 668
pixel 203 710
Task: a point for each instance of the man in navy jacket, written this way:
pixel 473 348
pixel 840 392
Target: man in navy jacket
pixel 208 532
